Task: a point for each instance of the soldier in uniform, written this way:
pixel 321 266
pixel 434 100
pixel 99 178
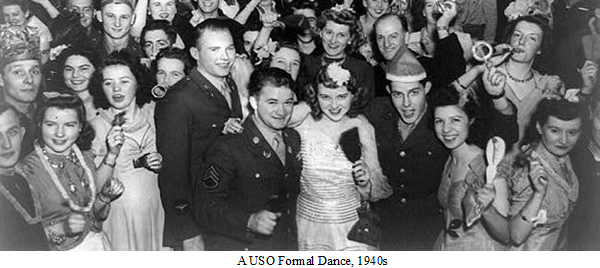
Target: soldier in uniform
pixel 194 113
pixel 247 193
pixel 413 158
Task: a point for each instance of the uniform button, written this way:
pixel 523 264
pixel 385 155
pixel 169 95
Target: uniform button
pixel 246 249
pixel 257 175
pixel 286 175
pixel 403 200
pixel 214 125
pixel 402 186
pixel 402 171
pixel 287 196
pixel 428 153
pixel 288 212
pixel 402 154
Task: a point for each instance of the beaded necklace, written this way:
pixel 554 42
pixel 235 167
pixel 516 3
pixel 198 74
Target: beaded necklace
pixel 522 81
pixel 59 186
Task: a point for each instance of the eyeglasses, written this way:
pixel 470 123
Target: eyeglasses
pixel 454 224
pixel 87 9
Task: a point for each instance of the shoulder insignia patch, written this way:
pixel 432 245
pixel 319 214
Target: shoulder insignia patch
pixel 211 178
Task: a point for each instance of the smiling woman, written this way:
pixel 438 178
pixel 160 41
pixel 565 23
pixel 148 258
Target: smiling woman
pixel 136 223
pixel 332 185
pixel 78 65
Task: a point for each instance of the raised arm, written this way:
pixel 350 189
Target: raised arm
pixel 141 16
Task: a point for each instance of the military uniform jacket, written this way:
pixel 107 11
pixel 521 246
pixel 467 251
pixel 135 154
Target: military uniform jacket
pixel 243 175
pixel 188 120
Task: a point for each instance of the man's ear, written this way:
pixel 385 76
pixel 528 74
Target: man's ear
pixel 427 87
pixel 253 102
pixel 23 131
pixel 194 53
pixel 99 15
pixel 1 81
pixel 539 128
pixel 389 89
pixel 133 17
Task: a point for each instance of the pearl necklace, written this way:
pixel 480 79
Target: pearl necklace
pixel 522 81
pixel 89 176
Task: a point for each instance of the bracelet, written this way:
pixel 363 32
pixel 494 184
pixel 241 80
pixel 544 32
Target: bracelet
pixel 109 164
pixel 495 97
pixel 442 28
pixel 583 97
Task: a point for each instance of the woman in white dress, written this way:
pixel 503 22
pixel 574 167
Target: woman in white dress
pixel 332 186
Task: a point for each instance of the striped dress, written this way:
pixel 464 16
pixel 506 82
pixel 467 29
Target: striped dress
pixel 328 196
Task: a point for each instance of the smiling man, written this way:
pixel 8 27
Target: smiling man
pixel 246 195
pixel 21 76
pixel 411 157
pixel 194 113
pixel 117 18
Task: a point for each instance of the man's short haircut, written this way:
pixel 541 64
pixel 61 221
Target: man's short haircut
pixel 104 3
pixel 159 25
pixel 213 25
pixel 269 76
pixel 401 18
pixel 5 107
pixel 174 53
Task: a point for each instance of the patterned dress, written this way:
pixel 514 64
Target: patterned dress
pixel 136 219
pixel 557 205
pixel 451 194
pixel 328 195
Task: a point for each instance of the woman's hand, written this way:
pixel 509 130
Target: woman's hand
pixel 233 126
pixel 538 177
pixel 153 162
pixel 493 81
pixel 449 12
pixel 75 224
pixel 114 140
pixel 589 75
pixel 486 195
pixel 361 173
pixel 111 190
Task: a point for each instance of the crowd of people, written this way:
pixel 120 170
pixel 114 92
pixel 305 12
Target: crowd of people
pixel 299 125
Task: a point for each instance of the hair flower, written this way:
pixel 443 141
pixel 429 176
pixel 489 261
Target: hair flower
pixel 55 51
pixel 341 8
pixel 338 74
pixel 266 51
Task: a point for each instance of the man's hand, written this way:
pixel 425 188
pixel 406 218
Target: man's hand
pixel 233 126
pixel 263 222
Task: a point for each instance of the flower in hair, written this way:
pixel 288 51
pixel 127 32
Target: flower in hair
pixel 55 51
pixel 338 74
pixel 341 8
pixel 266 51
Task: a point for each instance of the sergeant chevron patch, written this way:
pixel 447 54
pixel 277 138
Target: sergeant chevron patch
pixel 211 178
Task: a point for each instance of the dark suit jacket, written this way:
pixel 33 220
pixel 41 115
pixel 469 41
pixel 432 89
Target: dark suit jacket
pixel 188 120
pixel 243 175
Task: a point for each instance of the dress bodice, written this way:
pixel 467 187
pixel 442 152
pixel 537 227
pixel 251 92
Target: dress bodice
pixel 327 189
pixel 451 194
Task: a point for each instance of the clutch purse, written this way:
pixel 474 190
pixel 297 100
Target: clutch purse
pixel 366 230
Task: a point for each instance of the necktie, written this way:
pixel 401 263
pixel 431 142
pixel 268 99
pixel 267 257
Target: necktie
pixel 279 147
pixel 224 89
